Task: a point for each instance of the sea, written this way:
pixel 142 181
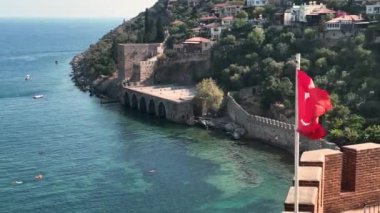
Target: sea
pixel 104 158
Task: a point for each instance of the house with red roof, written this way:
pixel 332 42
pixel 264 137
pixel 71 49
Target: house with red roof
pixel 229 8
pixel 194 45
pixel 309 14
pixel 213 31
pixel 227 21
pixel 344 25
pixel 208 19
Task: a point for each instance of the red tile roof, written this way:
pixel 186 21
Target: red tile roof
pixel 228 18
pixel 212 25
pixel 206 18
pixel 197 40
pixel 352 18
pixel 221 5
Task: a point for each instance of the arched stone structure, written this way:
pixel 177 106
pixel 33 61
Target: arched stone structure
pixel 142 100
pixel 126 100
pixel 152 107
pixel 161 110
pixel 142 105
pixel 134 102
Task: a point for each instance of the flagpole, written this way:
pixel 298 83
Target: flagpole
pixel 296 139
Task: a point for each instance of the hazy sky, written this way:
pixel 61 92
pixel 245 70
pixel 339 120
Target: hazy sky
pixel 73 8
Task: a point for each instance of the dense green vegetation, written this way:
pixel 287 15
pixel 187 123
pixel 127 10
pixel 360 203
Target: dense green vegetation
pixel 263 57
pixel 147 27
pixel 348 69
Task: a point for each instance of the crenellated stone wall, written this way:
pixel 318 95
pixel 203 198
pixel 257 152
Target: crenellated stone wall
pixel 272 131
pixel 345 181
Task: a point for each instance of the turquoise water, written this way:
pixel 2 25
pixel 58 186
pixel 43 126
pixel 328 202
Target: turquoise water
pixel 103 158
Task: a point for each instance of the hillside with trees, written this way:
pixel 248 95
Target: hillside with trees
pixel 262 56
pixel 147 27
pixel 349 69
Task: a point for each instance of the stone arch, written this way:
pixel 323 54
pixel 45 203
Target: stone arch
pixel 126 100
pixel 161 110
pixel 134 102
pixel 142 105
pixel 152 108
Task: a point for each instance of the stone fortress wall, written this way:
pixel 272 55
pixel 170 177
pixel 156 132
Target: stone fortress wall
pixel 131 58
pixel 272 131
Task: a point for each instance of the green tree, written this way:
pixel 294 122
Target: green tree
pixel 242 15
pixel 209 94
pixel 372 134
pixel 256 37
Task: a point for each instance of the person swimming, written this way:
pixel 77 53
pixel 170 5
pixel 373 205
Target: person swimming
pixel 38 177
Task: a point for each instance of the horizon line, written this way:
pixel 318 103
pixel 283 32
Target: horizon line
pixel 65 17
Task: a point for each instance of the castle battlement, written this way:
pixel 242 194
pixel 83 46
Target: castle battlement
pixel 345 180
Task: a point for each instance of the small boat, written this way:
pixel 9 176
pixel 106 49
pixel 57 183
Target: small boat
pixel 38 96
pixel 17 182
pixel 27 77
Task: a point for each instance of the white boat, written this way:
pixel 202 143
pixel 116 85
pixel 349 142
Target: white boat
pixel 27 77
pixel 38 96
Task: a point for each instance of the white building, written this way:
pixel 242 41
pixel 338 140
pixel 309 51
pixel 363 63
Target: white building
pixel 373 9
pixel 301 13
pixel 255 3
pixel 193 3
pixel 227 21
pixel 343 26
pixel 213 30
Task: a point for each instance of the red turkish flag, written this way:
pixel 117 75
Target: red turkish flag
pixel 312 103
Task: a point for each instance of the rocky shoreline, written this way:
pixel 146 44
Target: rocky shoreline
pixel 105 87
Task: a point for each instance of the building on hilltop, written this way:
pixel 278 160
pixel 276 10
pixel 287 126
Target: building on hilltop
pixel 338 181
pixel 309 14
pixel 345 25
pixel 208 19
pixel 193 3
pixel 136 62
pixel 227 21
pixel 256 3
pixel 373 9
pixel 213 31
pixel 228 9
pixel 194 45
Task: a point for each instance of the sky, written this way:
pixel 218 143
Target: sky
pixel 73 8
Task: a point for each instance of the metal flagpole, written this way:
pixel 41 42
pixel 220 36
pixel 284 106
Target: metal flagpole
pixel 296 139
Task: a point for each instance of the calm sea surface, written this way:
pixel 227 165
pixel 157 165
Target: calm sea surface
pixel 102 158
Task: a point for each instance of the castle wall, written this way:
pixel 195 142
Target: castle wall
pixel 352 185
pixel 184 69
pixel 349 181
pixel 269 130
pixel 147 69
pixel 129 54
